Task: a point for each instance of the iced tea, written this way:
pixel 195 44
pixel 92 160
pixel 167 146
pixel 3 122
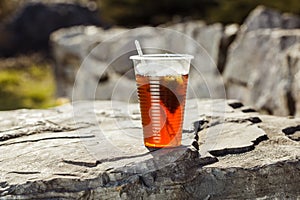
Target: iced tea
pixel 162 102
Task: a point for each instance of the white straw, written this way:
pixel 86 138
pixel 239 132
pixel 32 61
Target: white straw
pixel 139 50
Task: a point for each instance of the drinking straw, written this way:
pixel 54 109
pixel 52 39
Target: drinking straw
pixel 139 50
pixel 138 47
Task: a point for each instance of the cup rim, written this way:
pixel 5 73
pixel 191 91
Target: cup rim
pixel 162 57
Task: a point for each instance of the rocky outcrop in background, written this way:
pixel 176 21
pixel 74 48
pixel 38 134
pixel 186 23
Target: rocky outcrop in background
pixel 230 152
pixel 30 28
pixel 257 62
pixel 262 62
pixel 108 65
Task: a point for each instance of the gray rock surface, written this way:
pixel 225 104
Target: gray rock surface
pixel 229 34
pixel 265 18
pixel 70 50
pixel 262 75
pixel 94 150
pixel 258 70
pixel 293 56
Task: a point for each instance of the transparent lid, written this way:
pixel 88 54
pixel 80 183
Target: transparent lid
pixel 162 57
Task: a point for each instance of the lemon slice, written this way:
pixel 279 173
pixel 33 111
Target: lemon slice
pixel 178 79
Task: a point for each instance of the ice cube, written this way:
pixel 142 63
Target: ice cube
pixel 147 69
pixel 169 68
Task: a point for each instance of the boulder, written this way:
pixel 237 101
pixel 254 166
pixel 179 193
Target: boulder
pixel 208 36
pixel 257 71
pixel 229 34
pixel 266 18
pixel 94 150
pixel 293 61
pixel 27 31
pixel 69 52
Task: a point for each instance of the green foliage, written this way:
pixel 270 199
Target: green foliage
pixel 7 7
pixel 139 12
pixel 233 11
pixel 132 13
pixel 29 86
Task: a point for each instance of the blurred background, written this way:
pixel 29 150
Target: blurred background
pixel 28 68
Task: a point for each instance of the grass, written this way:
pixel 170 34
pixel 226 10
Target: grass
pixel 26 83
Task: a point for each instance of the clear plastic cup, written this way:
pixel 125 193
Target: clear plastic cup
pixel 161 84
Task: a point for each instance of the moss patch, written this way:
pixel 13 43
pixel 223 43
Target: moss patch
pixel 30 86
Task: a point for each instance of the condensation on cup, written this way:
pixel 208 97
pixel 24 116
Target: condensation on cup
pixel 161 84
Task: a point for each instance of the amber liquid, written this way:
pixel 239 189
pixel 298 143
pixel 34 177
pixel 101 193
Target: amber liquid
pixel 162 101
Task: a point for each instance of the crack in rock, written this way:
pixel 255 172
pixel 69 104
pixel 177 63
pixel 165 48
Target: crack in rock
pixel 48 138
pixel 30 129
pixel 248 110
pixel 253 120
pixel 81 163
pixel 231 137
pixel 239 150
pixel 23 172
pixel 292 132
pixel 65 174
pixel 236 105
pixel 94 164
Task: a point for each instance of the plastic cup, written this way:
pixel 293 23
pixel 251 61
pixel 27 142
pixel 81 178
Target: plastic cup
pixel 161 84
